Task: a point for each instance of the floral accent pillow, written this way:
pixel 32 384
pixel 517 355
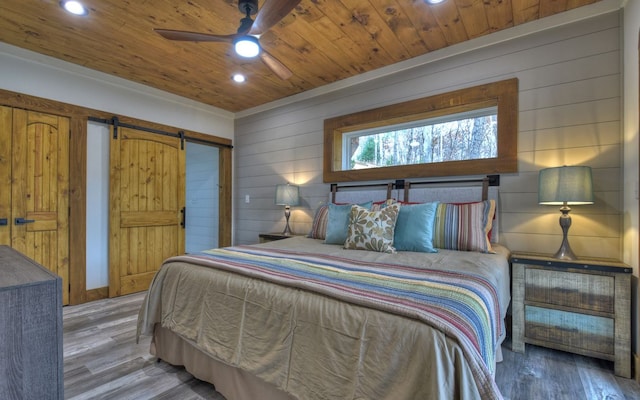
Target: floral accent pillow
pixel 372 230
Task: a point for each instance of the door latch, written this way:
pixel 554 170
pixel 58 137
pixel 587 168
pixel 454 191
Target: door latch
pixel 4 221
pixel 22 221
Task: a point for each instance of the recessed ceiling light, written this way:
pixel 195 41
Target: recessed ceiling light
pixel 74 7
pixel 434 1
pixel 239 78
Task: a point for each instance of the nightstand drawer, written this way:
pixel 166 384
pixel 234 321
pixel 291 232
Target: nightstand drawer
pixel 571 330
pixel 576 290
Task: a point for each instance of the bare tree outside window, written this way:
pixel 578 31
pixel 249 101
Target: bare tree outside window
pixel 463 136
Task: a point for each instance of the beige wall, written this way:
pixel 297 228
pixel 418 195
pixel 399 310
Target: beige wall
pixel 570 113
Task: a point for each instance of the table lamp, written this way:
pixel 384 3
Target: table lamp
pixel 565 186
pixel 287 196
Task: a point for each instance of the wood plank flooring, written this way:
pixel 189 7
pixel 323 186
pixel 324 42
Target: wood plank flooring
pixel 103 361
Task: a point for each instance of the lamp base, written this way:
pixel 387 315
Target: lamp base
pixel 287 214
pixel 565 252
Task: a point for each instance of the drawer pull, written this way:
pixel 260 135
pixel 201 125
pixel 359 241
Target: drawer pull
pixel 565 329
pixel 565 290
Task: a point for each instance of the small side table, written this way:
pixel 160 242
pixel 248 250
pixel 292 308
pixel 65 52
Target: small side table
pixel 581 306
pixel 270 237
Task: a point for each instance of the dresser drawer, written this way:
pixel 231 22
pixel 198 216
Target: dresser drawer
pixel 576 331
pixel 577 290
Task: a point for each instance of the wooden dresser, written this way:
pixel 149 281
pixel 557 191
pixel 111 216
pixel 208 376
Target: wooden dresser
pixel 581 306
pixel 31 365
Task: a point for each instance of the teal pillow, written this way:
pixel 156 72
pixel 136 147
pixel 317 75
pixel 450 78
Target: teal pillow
pixel 338 222
pixel 414 228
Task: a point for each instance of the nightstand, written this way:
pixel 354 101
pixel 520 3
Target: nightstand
pixel 270 237
pixel 580 306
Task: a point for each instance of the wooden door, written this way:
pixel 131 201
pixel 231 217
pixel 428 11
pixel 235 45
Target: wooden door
pixel 147 196
pixel 6 129
pixel 39 221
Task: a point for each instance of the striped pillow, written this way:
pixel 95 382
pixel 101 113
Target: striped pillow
pixel 319 226
pixel 464 226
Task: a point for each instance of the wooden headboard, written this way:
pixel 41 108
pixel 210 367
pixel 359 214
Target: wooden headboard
pixel 449 190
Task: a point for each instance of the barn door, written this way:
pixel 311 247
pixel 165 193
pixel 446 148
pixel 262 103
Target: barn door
pixel 6 129
pixel 34 188
pixel 147 196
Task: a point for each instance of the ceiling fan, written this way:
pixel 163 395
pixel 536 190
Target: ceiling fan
pixel 246 38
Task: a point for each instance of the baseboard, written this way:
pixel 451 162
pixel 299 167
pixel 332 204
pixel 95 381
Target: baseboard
pixel 97 294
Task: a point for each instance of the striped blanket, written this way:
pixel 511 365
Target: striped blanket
pixel 462 305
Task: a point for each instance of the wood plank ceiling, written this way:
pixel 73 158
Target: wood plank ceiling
pixel 320 41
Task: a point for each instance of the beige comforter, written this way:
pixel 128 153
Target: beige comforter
pixel 317 347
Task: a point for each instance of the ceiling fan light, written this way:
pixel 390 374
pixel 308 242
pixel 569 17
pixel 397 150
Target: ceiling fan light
pixel 74 7
pixel 247 46
pixel 434 1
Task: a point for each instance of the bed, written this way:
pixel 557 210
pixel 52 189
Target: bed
pixel 304 318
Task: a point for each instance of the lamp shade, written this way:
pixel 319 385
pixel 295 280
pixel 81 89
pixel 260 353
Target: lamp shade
pixel 287 195
pixel 570 185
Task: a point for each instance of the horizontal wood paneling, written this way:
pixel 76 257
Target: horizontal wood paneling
pixel 602 133
pixel 549 243
pixel 320 42
pixel 569 113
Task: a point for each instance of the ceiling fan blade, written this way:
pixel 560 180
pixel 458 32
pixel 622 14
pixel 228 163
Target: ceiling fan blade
pixel 270 14
pixel 193 36
pixel 276 66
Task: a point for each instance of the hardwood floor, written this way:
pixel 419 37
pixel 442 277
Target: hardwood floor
pixel 103 361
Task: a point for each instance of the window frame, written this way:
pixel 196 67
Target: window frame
pixel 503 94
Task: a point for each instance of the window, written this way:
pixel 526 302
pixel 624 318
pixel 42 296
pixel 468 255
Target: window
pixel 469 135
pixel 466 132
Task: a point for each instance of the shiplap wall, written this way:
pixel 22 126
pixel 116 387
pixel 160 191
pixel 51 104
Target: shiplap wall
pixel 570 106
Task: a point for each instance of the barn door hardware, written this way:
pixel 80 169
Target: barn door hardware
pixel 183 223
pixel 4 221
pixel 22 221
pixel 181 134
pixel 115 122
